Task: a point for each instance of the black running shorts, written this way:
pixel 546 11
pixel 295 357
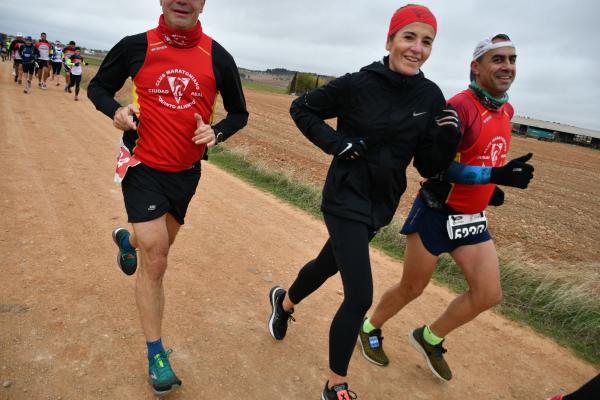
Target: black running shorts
pixel 56 67
pixel 42 63
pixel 28 68
pixel 75 80
pixel 150 193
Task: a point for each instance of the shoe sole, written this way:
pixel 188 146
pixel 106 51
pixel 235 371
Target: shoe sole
pixel 163 393
pixel 362 349
pixel 272 300
pixel 420 349
pixel 114 236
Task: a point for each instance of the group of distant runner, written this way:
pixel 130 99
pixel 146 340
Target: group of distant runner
pixel 44 60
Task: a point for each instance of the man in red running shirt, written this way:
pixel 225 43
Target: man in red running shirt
pixel 177 71
pixel 448 214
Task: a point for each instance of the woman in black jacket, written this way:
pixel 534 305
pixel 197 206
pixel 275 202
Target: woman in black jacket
pixel 388 113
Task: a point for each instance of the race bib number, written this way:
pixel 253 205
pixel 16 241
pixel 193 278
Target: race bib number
pixel 124 161
pixel 461 226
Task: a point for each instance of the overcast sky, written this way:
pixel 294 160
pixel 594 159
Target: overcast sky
pixel 558 41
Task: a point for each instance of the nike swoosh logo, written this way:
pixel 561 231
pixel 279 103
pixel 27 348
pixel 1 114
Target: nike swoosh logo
pixel 416 114
pixel 348 146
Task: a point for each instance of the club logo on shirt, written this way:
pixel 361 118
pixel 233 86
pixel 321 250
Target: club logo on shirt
pixel 494 152
pixel 178 86
pixel 177 89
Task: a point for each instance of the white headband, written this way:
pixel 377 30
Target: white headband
pixel 486 45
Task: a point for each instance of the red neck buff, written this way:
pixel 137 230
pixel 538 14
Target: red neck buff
pixel 409 14
pixel 180 38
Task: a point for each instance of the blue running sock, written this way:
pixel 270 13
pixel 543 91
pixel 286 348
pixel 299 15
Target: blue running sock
pixel 125 245
pixel 154 348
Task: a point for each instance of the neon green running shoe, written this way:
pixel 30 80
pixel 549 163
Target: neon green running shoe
pixel 126 260
pixel 161 375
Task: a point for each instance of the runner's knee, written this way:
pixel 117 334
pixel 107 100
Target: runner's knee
pixel 485 300
pixel 358 301
pixel 410 290
pixel 154 261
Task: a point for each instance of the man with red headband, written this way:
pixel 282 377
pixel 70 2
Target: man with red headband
pixel 388 113
pixel 177 72
pixel 448 214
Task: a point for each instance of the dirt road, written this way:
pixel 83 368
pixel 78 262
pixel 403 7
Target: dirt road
pixel 68 325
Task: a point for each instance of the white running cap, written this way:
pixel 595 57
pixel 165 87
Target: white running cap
pixel 19 34
pixel 486 45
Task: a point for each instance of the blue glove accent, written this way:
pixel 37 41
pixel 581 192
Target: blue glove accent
pixel 467 174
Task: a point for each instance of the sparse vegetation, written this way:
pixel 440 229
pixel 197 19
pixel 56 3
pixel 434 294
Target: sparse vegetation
pixel 303 82
pixel 247 84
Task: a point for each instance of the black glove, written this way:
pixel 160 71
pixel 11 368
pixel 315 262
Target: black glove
pixel 351 149
pixel 497 198
pixel 516 173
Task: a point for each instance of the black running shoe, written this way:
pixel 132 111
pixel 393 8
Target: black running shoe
pixel 278 322
pixel 338 392
pixel 434 355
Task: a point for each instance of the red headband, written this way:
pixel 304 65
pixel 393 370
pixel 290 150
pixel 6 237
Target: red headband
pixel 408 15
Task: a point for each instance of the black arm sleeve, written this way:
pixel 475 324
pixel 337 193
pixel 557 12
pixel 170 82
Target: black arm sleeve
pixel 230 87
pixel 122 61
pixel 438 145
pixel 310 111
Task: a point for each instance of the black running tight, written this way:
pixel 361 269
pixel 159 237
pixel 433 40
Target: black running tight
pixel 346 251
pixel 75 80
pixel 590 390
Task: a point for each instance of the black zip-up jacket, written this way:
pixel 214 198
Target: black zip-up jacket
pixel 396 116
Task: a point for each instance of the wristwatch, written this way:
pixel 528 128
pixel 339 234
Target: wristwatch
pixel 218 137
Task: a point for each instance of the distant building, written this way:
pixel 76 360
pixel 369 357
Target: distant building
pixel 544 130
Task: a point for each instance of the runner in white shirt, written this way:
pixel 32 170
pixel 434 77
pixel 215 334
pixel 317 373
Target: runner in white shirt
pixel 44 47
pixel 57 60
pixel 75 63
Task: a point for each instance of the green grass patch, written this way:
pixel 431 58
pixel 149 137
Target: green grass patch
pixel 263 87
pixel 302 196
pixel 93 60
pixel 567 310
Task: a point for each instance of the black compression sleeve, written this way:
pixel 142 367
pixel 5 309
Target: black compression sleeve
pixel 230 87
pixel 123 61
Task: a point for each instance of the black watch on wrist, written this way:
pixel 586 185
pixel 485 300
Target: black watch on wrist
pixel 218 137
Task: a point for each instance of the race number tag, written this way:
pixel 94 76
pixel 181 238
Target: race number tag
pixel 461 226
pixel 124 161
